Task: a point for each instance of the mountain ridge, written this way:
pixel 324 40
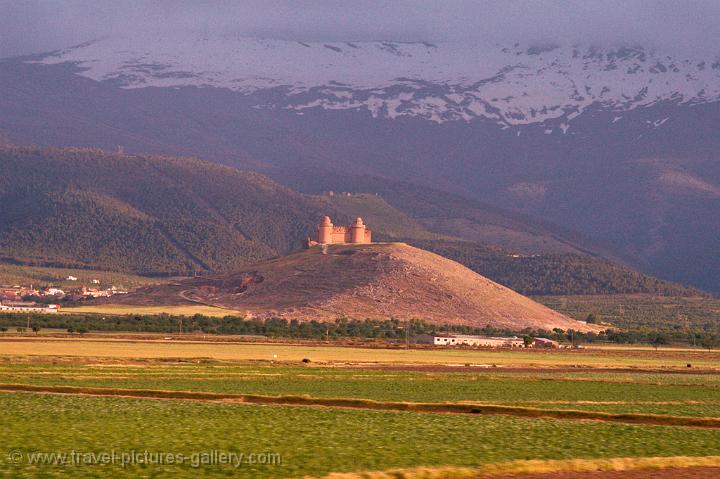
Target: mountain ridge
pixel 446 81
pixel 84 208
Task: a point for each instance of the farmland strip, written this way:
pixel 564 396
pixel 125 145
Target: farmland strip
pixel 451 408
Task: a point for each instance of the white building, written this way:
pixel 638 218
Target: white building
pixel 53 292
pixel 487 341
pixel 28 308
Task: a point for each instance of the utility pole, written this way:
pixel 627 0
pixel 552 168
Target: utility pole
pixel 407 335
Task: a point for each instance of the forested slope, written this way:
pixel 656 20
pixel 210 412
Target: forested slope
pixel 145 214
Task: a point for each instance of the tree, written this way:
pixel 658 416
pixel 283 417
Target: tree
pixel 591 319
pixel 658 340
pixel 710 341
pixel 528 340
pixel 36 328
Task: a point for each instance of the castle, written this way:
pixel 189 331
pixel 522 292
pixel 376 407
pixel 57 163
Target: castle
pixel 356 233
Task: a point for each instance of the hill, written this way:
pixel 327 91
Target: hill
pixel 554 274
pixel 81 208
pixel 532 261
pixel 378 281
pixel 684 319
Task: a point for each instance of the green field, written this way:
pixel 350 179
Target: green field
pixel 312 440
pixel 671 394
pixel 309 440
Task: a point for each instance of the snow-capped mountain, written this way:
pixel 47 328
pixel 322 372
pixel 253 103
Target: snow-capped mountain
pixel 617 143
pixel 510 85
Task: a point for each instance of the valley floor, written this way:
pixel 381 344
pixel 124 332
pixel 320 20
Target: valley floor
pixel 98 407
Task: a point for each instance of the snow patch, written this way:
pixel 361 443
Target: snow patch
pixel 451 81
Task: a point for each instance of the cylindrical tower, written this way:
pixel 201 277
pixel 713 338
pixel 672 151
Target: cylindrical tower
pixel 325 230
pixel 357 231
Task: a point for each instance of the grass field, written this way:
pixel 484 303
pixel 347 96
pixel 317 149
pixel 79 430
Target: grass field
pixel 670 394
pixel 311 440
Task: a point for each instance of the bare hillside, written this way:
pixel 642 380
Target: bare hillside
pixel 363 281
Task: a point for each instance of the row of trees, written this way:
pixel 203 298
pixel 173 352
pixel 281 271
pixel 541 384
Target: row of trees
pixel 392 330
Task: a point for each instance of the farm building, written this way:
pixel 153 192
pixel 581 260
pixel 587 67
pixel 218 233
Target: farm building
pixel 28 308
pixel 468 340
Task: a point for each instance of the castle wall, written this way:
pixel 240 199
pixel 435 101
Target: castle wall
pixel 340 235
pixel 355 234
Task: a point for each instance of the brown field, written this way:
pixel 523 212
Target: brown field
pixel 681 467
pixel 674 473
pixel 240 351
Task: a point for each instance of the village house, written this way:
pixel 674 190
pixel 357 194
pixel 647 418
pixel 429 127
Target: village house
pixel 52 291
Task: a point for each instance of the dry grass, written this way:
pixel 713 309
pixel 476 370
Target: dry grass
pixel 536 467
pixel 136 349
pixel 437 408
pixel 182 310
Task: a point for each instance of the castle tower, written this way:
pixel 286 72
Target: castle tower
pixel 325 231
pixel 357 231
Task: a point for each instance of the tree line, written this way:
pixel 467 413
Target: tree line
pixel 393 330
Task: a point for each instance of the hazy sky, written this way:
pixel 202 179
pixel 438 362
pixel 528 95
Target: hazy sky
pixel 28 26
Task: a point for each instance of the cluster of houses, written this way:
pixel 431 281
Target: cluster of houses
pixel 486 341
pixel 24 299
pixel 15 293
